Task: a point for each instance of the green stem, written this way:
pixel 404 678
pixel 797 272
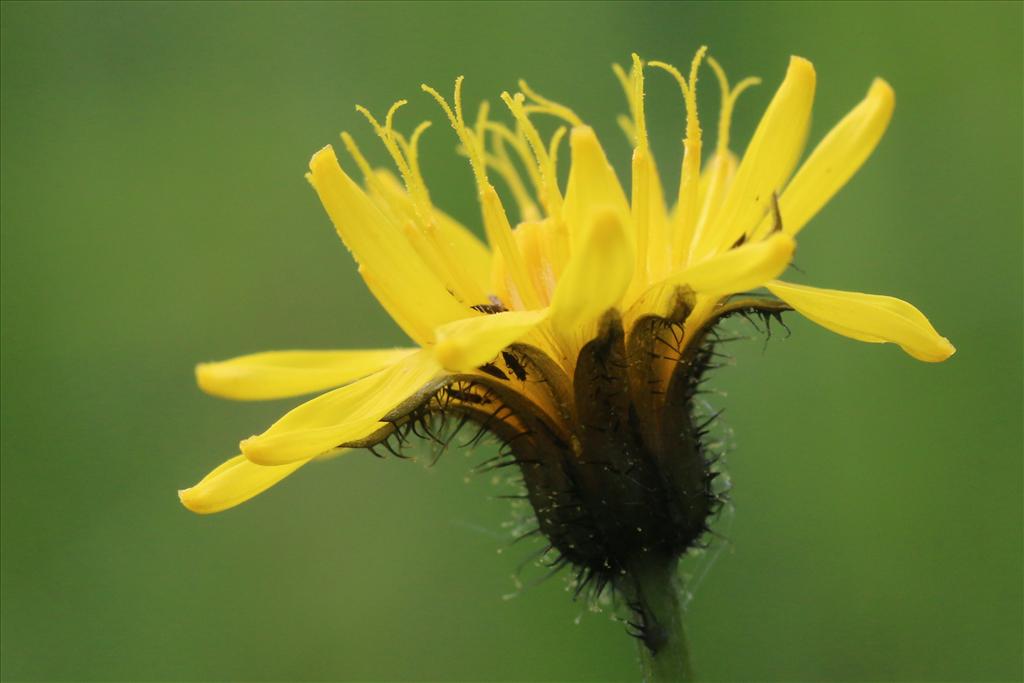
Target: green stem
pixel 664 655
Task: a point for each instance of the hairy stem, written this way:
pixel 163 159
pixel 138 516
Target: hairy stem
pixel 664 656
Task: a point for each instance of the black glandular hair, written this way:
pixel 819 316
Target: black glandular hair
pixel 616 462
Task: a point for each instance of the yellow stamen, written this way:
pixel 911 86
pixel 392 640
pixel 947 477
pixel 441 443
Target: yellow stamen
pixel 639 119
pixel 556 140
pixel 626 81
pixel 642 180
pixel 496 224
pixel 721 169
pixel 729 98
pixel 686 211
pixel 411 149
pixel 626 124
pixel 415 185
pixel 419 225
pixel 543 104
pixel 503 135
pixel 499 160
pixel 372 181
pixel 557 231
pixel 550 195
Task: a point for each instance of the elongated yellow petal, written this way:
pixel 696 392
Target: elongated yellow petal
pixel 768 162
pixel 737 270
pixel 836 158
pixel 343 415
pixel 279 374
pixel 592 183
pixel 467 344
pixel 598 273
pixel 233 483
pixel 868 317
pixel 383 250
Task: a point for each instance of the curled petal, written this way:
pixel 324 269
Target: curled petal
pixel 280 374
pixel 868 317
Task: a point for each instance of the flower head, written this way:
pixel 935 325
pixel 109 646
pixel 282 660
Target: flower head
pixel 580 331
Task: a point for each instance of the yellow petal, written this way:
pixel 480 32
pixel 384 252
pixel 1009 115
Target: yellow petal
pixel 382 250
pixel 466 248
pixel 867 317
pixel 592 183
pixel 650 219
pixel 460 245
pixel 836 158
pixel 746 267
pixel 768 161
pixel 232 483
pixel 343 415
pixel 469 343
pixel 598 273
pixel 279 374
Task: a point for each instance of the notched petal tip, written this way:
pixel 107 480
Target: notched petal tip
pixel 202 373
pixel 580 135
pixel 940 350
pixel 231 483
pixel 323 159
pixel 212 378
pixel 194 502
pixel 801 68
pixel 883 97
pixel 881 88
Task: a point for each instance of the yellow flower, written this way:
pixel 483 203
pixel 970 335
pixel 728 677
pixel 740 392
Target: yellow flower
pixel 581 332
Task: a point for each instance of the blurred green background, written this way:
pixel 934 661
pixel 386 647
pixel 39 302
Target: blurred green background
pixel 154 215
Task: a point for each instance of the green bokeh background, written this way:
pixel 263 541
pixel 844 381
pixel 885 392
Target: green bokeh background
pixel 154 215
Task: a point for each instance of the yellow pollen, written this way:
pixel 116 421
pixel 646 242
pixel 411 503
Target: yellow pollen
pixel 639 117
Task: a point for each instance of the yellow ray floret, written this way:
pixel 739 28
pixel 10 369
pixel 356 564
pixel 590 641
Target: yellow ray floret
pixel 343 415
pixel 281 374
pixel 233 482
pixel 869 318
pixel 583 247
